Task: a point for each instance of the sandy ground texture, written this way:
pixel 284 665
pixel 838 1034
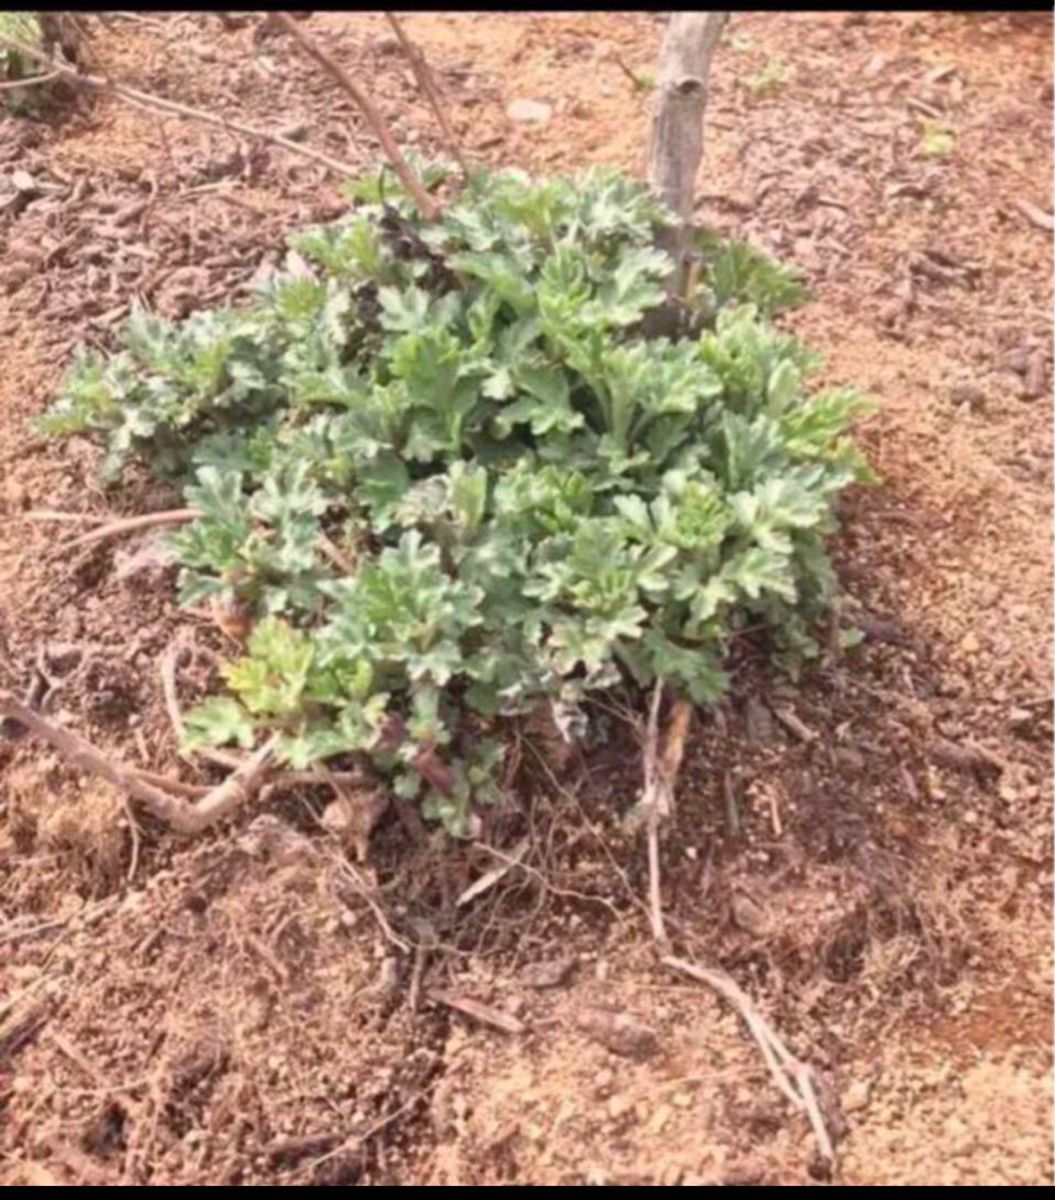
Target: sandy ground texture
pixel 868 853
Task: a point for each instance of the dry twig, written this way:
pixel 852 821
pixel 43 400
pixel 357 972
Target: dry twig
pixel 1034 215
pixel 793 1077
pixel 174 810
pixel 335 554
pixel 237 788
pixel 169 663
pixel 369 110
pixel 657 797
pixel 50 514
pixel 479 1012
pixel 490 878
pixel 192 791
pixel 352 875
pixel 652 802
pixel 427 83
pixel 32 81
pixel 155 103
pixel 172 516
pixel 171 809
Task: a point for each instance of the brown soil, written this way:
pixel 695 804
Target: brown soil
pixel 868 852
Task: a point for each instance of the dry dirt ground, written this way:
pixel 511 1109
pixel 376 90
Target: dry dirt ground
pixel 868 852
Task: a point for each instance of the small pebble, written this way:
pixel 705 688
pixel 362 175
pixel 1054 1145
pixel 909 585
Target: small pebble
pixel 529 112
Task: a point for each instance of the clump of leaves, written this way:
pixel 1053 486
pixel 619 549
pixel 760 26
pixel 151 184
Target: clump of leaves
pixel 740 273
pixel 534 500
pixel 15 66
pixel 768 78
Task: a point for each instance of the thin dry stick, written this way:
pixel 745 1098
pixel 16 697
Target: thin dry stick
pixel 155 103
pixel 236 789
pixel 184 818
pixel 602 842
pixel 567 893
pixel 353 1144
pixel 369 110
pixel 32 81
pixel 1034 215
pixel 192 791
pixel 133 831
pixel 173 516
pixel 634 78
pixel 773 1049
pixel 350 873
pixel 792 1076
pixel 427 83
pixel 650 801
pixel 335 554
pixel 657 797
pixel 490 878
pixel 169 663
pixel 483 1013
pixel 50 514
pixel 171 809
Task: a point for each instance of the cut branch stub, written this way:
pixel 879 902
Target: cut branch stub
pixel 676 144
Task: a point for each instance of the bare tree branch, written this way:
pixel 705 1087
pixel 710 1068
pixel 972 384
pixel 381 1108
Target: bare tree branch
pixel 174 810
pixel 369 110
pixel 427 83
pixel 32 81
pixel 173 516
pixel 153 103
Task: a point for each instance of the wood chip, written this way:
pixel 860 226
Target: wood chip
pixel 798 727
pixel 619 1033
pixel 937 74
pixel 1036 216
pixel 551 974
pixel 1035 383
pixel 490 878
pixel 529 112
pixel 964 756
pixel 479 1012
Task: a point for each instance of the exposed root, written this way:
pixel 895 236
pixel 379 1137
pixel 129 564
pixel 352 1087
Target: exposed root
pixel 793 1077
pixel 657 797
pixel 173 810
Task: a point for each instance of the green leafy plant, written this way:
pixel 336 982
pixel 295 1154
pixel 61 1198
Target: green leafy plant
pixel 738 272
pixel 15 66
pixel 937 140
pixel 23 27
pixel 532 500
pixel 768 78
